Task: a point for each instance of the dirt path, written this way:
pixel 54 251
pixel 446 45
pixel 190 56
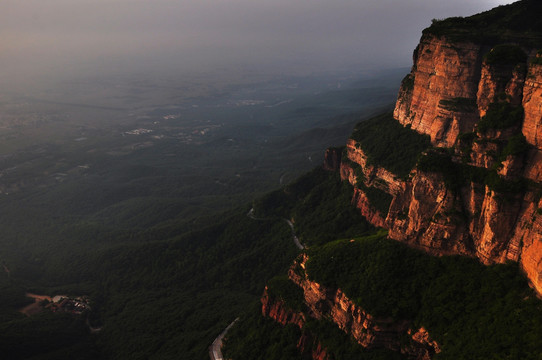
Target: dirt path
pixel 290 224
pixel 296 239
pixel 35 307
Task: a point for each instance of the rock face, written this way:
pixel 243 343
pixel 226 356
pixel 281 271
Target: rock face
pixel 332 159
pixel 442 74
pixel 499 79
pixel 374 175
pixel 277 310
pixel 532 105
pixel 362 202
pixel 310 346
pixel 281 313
pixel 426 216
pixel 532 123
pixel 448 94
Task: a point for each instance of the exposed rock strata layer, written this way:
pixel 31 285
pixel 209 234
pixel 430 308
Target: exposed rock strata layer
pixel 442 71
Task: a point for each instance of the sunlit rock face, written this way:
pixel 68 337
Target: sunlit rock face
pixel 442 73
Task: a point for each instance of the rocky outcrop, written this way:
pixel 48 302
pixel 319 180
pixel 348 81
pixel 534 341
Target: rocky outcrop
pixel 436 98
pixel 532 123
pixel 526 243
pixel 428 215
pixel 376 176
pixel 429 348
pixel 494 228
pixel 367 330
pixel 280 312
pixel 466 90
pixel 332 158
pixel 362 202
pixel 309 345
pixel 532 105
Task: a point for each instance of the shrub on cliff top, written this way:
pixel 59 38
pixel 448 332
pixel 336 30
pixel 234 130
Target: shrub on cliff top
pixel 407 83
pixel 456 175
pixel 280 287
pixel 519 22
pixel 500 115
pixel 340 345
pixel 320 204
pixel 505 55
pixel 389 144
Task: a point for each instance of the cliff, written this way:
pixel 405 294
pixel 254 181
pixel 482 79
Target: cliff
pixel 280 312
pixel 323 303
pixel 477 94
pixel 442 71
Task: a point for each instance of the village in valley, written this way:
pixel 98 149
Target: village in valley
pixel 59 303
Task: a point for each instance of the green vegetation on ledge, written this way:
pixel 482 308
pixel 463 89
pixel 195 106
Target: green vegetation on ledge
pixel 500 115
pixel 281 287
pixel 505 54
pixel 378 198
pixel 320 204
pixel 473 311
pixel 389 144
pixel 256 337
pixel 342 346
pixel 519 22
pixel 516 145
pixel 456 175
pixel 459 104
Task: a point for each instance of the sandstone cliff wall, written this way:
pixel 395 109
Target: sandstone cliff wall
pixel 442 72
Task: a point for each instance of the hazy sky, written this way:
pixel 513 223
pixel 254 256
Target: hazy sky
pixel 107 36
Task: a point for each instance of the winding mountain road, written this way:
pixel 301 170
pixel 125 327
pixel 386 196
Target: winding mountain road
pixel 296 239
pixel 215 351
pixel 290 224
